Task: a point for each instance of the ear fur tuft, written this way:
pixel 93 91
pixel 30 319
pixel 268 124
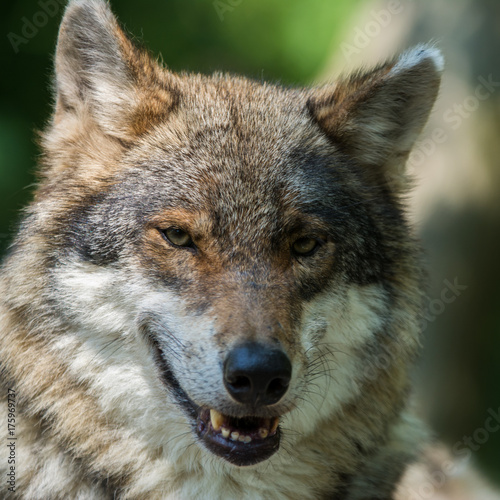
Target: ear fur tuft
pixel 416 55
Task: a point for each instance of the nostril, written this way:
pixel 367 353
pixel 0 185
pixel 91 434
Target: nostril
pixel 240 383
pixel 277 386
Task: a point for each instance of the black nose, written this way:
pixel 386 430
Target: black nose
pixel 257 374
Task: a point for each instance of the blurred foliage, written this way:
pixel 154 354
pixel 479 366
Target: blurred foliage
pixel 285 40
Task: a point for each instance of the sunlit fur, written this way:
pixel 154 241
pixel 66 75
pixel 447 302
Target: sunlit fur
pixel 245 168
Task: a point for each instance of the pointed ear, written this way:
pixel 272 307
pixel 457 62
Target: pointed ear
pixel 101 72
pixel 376 116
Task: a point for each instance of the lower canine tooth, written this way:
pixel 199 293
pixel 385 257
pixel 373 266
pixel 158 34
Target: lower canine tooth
pixel 263 433
pixel 217 419
pixel 225 432
pixel 235 435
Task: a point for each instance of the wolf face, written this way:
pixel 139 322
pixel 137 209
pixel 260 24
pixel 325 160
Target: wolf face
pixel 217 266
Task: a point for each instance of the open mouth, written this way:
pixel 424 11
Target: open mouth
pixel 241 441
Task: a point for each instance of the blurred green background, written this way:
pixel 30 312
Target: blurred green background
pixel 455 204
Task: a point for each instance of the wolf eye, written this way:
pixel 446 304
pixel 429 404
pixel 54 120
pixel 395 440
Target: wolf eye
pixel 305 246
pixel 177 237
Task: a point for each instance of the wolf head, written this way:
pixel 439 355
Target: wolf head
pixel 229 274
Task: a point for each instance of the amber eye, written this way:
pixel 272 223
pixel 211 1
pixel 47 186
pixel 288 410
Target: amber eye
pixel 305 246
pixel 177 237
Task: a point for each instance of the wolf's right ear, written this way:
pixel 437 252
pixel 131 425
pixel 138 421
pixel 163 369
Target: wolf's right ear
pixel 101 72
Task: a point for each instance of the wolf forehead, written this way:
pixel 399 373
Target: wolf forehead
pixel 239 140
pixel 240 161
pixel 245 162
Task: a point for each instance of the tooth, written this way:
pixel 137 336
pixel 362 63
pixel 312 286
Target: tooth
pixel 247 439
pixel 235 435
pixel 263 433
pixel 242 438
pixel 225 432
pixel 276 422
pixel 217 419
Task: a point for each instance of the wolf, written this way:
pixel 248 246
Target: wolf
pixel 215 293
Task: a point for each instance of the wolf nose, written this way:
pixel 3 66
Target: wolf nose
pixel 257 374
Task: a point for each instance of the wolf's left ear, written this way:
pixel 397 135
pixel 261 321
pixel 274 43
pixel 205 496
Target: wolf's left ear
pixel 376 116
pixel 101 73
